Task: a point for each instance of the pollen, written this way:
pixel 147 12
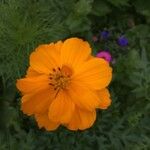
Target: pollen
pixel 60 77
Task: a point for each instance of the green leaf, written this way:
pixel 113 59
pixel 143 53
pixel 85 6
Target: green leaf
pixel 118 3
pixel 142 7
pixel 83 7
pixel 100 8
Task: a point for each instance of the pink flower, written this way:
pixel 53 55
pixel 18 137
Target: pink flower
pixel 104 54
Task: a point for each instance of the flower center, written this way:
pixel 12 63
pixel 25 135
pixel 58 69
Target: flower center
pixel 60 77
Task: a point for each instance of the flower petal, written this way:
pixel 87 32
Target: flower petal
pixel 61 109
pixel 32 73
pixel 74 51
pixel 94 73
pixel 32 84
pixel 43 121
pixel 105 100
pixel 38 102
pixel 58 46
pixel 44 58
pixel 83 96
pixel 82 119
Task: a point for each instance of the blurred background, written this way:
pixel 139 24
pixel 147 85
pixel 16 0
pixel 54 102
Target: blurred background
pixel 121 27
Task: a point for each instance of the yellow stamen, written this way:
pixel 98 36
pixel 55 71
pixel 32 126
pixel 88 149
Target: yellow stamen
pixel 60 77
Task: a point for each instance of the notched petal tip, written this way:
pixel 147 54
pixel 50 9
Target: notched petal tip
pixel 44 122
pixel 105 100
pixel 82 120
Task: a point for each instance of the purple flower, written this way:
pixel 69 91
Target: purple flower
pixel 122 41
pixel 104 54
pixel 105 34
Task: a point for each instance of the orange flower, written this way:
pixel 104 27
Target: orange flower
pixel 64 85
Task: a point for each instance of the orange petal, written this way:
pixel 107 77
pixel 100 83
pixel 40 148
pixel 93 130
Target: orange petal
pixel 83 96
pixel 33 84
pixel 58 46
pixel 94 73
pixel 82 119
pixel 32 73
pixel 61 109
pixel 104 97
pixel 44 58
pixel 43 121
pixel 38 102
pixel 74 51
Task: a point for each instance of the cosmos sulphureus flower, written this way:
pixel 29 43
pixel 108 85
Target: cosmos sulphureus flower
pixel 64 85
